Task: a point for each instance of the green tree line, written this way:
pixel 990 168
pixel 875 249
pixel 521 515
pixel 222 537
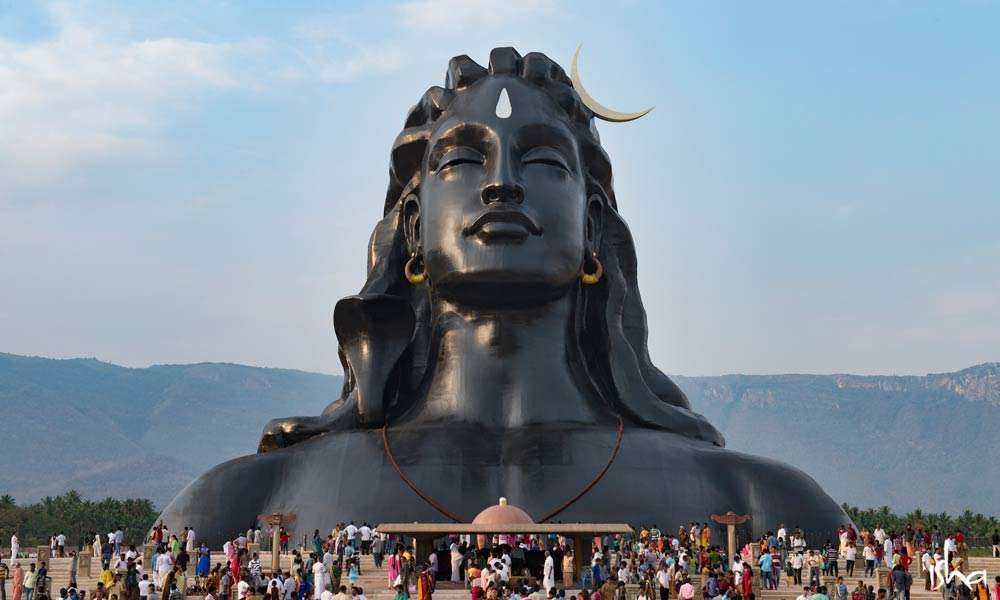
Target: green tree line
pixel 76 517
pixel 977 525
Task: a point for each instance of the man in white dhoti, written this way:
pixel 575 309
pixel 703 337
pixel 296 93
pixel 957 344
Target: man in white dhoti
pixel 549 572
pixel 320 576
pixel 191 539
pixel 15 547
pixel 456 562
pixel 164 564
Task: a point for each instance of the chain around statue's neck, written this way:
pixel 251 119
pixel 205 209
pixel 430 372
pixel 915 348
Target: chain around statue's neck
pixel 447 513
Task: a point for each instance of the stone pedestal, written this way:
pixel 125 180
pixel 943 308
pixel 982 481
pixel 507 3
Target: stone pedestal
pixel 147 557
pixel 42 552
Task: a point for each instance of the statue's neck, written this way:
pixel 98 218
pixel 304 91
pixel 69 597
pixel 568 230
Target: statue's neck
pixel 504 368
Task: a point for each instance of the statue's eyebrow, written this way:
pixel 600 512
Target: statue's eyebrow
pixel 473 135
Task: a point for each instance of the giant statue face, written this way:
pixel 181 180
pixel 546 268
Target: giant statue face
pixel 503 198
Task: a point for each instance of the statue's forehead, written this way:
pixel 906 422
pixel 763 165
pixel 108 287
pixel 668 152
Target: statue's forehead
pixel 477 105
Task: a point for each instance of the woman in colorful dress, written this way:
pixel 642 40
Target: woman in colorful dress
pixel 18 583
pixel 394 566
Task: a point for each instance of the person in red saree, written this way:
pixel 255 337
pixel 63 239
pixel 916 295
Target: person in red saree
pixel 425 583
pixel 747 580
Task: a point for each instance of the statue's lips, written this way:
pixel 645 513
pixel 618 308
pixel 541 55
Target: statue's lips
pixel 503 223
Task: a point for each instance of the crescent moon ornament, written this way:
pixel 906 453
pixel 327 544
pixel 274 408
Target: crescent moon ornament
pixel 600 111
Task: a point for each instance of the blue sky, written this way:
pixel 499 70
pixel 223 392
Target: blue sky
pixel 816 191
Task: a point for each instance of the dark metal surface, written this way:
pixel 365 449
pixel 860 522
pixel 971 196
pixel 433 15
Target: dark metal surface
pixel 501 374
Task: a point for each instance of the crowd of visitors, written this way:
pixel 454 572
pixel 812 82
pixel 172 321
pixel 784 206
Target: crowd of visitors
pixel 650 565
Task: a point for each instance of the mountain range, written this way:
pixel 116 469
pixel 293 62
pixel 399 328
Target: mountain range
pixel 105 430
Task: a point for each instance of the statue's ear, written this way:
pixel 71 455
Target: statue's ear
pixel 595 220
pixel 411 222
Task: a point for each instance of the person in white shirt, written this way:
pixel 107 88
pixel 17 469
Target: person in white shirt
pixel 879 534
pixel 887 548
pixel 320 576
pixel 549 572
pixel 61 544
pixel 366 539
pixel 164 564
pixel 191 540
pixel 850 555
pixel 737 570
pixel 15 547
pixel 798 561
pixel 146 588
pixel 242 590
pixel 351 530
pixel 805 595
pixel 289 588
pixel 869 554
pixel 596 557
pixel 663 581
pixel 456 562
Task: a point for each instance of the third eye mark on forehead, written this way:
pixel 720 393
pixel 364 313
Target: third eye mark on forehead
pixel 482 139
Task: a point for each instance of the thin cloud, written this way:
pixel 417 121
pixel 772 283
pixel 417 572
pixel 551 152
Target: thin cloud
pixel 456 14
pixel 76 99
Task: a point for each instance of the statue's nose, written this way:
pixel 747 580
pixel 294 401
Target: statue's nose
pixel 503 192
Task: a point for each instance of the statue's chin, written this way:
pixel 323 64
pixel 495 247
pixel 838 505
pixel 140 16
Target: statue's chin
pixel 502 288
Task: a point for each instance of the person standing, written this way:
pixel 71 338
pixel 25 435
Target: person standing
pixel 766 563
pixel 425 584
pixel 320 579
pixel 455 554
pixel 663 581
pixel 797 561
pixel 549 572
pixel 15 547
pixel 73 567
pixel 192 540
pixel 30 581
pixel 393 565
pixel 850 555
pixel 378 549
pixel 366 539
pixel 813 561
pixel 17 585
pixel 568 569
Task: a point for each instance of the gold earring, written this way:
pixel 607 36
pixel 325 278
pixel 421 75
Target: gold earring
pixel 415 278
pixel 591 278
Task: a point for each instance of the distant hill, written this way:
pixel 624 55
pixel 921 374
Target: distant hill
pixel 926 442
pixel 905 442
pixel 107 430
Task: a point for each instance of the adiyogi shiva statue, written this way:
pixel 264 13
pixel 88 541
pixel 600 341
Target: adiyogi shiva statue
pixel 498 346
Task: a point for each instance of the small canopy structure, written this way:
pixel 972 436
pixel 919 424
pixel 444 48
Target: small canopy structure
pixel 506 519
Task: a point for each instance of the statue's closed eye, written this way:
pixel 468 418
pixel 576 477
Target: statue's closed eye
pixel 546 156
pixel 462 155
